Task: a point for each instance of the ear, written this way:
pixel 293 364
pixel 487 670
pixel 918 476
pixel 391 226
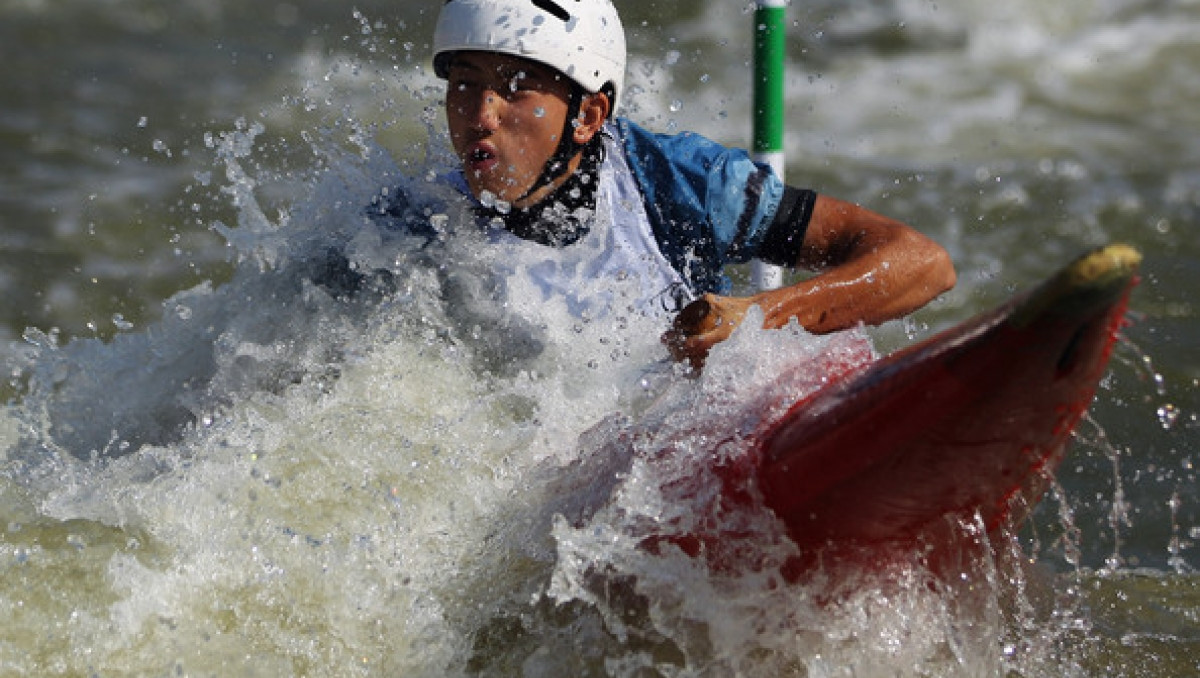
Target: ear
pixel 593 111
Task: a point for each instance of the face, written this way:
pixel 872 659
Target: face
pixel 505 116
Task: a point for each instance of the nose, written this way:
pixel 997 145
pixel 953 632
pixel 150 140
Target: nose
pixel 484 110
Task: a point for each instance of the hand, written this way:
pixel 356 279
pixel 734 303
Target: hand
pixel 703 324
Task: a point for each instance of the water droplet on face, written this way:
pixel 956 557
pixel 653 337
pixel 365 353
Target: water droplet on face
pixel 539 112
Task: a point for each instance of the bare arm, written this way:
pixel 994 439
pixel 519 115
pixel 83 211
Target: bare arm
pixel 872 268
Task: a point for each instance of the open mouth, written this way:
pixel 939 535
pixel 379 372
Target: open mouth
pixel 481 157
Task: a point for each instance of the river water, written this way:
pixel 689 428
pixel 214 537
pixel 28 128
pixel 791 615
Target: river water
pixel 212 466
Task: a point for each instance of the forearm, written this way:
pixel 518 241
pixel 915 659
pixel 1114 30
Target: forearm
pixel 879 281
pixel 873 269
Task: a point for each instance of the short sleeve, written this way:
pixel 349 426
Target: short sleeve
pixel 709 205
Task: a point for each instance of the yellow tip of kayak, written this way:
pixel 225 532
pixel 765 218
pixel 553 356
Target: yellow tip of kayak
pixel 1102 267
pixel 1093 280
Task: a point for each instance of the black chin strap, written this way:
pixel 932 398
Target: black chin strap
pixel 559 162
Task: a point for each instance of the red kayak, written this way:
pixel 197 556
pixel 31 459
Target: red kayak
pixel 966 426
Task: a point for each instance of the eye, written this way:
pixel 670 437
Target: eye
pixel 463 86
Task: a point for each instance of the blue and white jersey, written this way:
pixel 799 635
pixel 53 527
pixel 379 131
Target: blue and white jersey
pixel 671 212
pixel 617 263
pixel 709 205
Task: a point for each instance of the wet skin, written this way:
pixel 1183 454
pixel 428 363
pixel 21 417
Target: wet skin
pixel 506 115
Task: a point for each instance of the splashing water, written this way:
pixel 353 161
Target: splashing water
pixel 408 462
pixel 412 463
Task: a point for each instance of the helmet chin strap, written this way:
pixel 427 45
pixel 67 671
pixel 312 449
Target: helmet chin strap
pixel 560 161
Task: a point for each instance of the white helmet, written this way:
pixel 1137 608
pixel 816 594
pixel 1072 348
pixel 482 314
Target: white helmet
pixel 583 39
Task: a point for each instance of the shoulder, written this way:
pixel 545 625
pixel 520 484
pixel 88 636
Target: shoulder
pixel 690 167
pixel 683 148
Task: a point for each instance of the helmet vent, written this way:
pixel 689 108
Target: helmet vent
pixel 553 8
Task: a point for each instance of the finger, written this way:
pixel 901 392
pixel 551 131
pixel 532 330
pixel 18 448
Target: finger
pixel 682 347
pixel 692 319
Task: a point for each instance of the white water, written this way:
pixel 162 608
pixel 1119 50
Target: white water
pixel 457 478
pixel 454 477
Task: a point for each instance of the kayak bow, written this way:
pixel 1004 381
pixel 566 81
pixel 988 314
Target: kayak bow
pixel 971 422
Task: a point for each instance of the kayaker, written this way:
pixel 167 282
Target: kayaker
pixel 532 91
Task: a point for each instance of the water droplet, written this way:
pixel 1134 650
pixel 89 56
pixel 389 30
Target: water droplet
pixel 539 112
pixel 1167 415
pixel 676 106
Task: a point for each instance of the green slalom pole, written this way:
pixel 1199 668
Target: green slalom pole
pixel 770 53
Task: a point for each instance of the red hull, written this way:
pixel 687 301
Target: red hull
pixel 973 421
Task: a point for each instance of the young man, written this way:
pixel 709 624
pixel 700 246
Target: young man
pixel 532 87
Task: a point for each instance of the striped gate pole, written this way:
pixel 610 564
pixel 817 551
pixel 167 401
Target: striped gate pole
pixel 770 52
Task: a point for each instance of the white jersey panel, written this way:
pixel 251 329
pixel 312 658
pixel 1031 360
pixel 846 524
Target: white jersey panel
pixel 616 267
